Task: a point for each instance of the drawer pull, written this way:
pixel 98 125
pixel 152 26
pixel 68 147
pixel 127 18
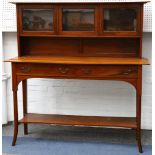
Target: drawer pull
pixel 86 71
pixel 63 70
pixel 128 72
pixel 25 69
pixel 125 73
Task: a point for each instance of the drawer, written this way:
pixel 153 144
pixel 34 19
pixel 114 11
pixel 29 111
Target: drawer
pixel 77 71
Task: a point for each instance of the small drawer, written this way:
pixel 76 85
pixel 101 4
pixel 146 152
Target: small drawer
pixel 45 69
pixel 108 71
pixel 78 71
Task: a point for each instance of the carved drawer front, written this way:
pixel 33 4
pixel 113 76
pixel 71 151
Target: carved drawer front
pixel 77 70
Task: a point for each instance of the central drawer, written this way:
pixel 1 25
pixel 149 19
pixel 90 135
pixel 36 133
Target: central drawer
pixel 96 71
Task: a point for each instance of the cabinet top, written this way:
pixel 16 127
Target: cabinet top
pixel 78 1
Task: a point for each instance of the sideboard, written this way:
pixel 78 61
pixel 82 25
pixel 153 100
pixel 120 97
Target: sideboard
pixel 89 41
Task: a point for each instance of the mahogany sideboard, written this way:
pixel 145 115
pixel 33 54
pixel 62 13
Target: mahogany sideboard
pixel 101 41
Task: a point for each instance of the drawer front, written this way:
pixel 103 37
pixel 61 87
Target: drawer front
pixel 77 71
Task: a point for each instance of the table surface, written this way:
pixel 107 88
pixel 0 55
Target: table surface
pixel 79 60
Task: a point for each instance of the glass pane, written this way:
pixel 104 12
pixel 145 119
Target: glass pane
pixel 78 19
pixel 120 20
pixel 37 20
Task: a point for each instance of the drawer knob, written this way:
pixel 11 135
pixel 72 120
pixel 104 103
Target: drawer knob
pixel 25 69
pixel 63 70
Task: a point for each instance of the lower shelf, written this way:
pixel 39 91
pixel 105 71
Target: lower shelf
pixel 126 122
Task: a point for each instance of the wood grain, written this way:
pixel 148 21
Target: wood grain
pixel 127 2
pixel 74 71
pixel 127 122
pixel 105 47
pixel 79 60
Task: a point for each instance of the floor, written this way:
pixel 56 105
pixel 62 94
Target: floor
pixel 106 135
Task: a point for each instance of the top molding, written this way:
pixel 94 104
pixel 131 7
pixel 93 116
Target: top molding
pixel 78 1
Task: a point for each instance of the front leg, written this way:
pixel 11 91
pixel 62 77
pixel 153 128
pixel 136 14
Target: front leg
pixel 138 108
pixel 24 85
pixel 138 130
pixel 15 103
pixel 15 117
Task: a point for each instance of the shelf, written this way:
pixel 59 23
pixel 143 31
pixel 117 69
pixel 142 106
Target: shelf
pixel 126 122
pixel 79 60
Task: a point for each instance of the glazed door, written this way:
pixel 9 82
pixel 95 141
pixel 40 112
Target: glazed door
pixel 37 20
pixel 78 20
pixel 118 20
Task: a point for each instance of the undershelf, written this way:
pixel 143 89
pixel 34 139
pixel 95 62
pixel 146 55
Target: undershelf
pixel 126 122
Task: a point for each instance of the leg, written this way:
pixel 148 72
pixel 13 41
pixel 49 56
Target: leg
pixel 24 85
pixel 15 117
pixel 136 134
pixel 138 130
pixel 139 140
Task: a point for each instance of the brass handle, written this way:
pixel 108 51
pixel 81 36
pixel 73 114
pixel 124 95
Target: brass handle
pixel 63 70
pixel 86 70
pixel 25 69
pixel 127 72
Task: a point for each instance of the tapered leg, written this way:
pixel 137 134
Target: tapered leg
pixel 24 84
pixel 139 140
pixel 136 134
pixel 138 130
pixel 15 117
